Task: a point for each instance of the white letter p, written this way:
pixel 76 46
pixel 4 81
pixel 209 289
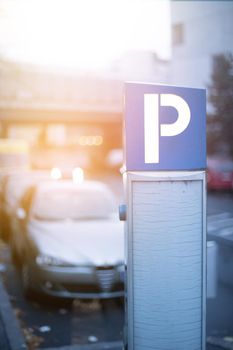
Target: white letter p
pixel 152 131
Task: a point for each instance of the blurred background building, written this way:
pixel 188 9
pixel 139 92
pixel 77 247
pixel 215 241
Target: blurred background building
pixel 200 30
pixel 202 49
pixel 75 114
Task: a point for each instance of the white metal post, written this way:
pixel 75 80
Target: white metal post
pixel 166 259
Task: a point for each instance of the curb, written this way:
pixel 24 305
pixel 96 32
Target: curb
pixel 14 339
pixel 117 345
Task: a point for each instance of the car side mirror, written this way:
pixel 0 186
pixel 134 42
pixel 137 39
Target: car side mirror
pixel 21 213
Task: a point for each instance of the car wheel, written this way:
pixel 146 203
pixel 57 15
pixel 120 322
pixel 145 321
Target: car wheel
pixel 26 281
pixel 120 302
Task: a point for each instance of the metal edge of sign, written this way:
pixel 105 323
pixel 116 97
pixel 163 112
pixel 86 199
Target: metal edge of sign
pixel 204 257
pixel 129 264
pixel 131 82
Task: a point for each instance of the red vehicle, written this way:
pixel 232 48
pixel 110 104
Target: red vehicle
pixel 219 174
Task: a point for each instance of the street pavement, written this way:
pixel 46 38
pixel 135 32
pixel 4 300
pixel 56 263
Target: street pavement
pixel 11 337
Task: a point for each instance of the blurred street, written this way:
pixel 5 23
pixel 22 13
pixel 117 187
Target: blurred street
pixel 220 308
pixel 55 323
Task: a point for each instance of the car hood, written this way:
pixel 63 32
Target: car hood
pixel 89 242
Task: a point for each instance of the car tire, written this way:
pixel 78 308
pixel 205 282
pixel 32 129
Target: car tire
pixel 120 302
pixel 26 281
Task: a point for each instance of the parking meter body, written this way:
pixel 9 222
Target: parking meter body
pixel 165 195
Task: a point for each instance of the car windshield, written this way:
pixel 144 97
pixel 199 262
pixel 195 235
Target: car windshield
pixel 69 204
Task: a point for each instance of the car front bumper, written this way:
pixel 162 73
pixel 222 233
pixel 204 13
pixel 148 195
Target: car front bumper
pixel 84 282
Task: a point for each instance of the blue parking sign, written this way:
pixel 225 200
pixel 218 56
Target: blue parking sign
pixel 165 127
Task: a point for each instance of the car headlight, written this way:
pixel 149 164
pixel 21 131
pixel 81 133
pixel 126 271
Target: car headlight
pixel 46 260
pixel 56 174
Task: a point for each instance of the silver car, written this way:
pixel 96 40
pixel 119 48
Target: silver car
pixel 69 241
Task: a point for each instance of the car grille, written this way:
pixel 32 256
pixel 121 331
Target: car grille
pixel 78 288
pixel 106 277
